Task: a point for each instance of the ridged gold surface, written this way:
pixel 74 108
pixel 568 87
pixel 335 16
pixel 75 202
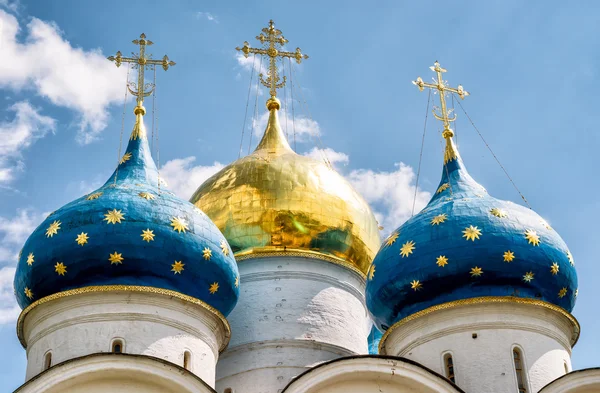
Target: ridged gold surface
pixel 275 199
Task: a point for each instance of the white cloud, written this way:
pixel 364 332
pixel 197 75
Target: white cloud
pixel 306 129
pixel 390 194
pixel 12 6
pixel 9 310
pixel 83 81
pixel 16 135
pixel 208 16
pixel 184 178
pixel 328 154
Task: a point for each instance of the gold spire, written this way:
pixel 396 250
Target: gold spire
pixel 440 85
pixel 271 41
pixel 273 140
pixel 141 61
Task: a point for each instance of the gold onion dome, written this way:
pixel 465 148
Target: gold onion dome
pixel 275 201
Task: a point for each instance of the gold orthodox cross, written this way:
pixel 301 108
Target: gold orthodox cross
pixel 142 62
pixel 440 85
pixel 271 38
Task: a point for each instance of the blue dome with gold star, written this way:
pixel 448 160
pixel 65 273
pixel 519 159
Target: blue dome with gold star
pixel 131 231
pixel 466 244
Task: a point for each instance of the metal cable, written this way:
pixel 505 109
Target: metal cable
pixel 421 154
pixel 292 94
pixel 247 101
pixel 122 125
pixel 255 115
pixel 285 101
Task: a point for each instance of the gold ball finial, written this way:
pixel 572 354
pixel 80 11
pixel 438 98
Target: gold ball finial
pixel 273 103
pixel 448 133
pixel 139 110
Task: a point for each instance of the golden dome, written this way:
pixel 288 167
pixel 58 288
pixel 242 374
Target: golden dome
pixel 276 201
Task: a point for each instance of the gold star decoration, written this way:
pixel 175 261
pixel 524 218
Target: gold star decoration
pixel 179 224
pixel 415 285
pixel 147 195
pixel 528 277
pixel 60 268
pixel 498 212
pixel 82 238
pixel 126 157
pixel 570 257
pixel 53 229
pixel 371 272
pixel 546 225
pixel 562 292
pixel 113 217
pixel 407 248
pixel 476 271
pixel 443 187
pixel 206 253
pixel 441 261
pixel 532 237
pixel 437 220
pixel 237 282
pixel 214 287
pixel 509 256
pixel 30 259
pixel 391 239
pixel 177 267
pixel 116 258
pixel 147 235
pixel 577 292
pixel 554 269
pixel 28 293
pixel 93 196
pixel 471 233
pixel 224 248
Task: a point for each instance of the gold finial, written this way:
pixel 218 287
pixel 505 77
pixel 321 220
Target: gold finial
pixel 271 38
pixel 141 61
pixel 442 88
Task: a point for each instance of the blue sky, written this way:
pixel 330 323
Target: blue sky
pixel 531 68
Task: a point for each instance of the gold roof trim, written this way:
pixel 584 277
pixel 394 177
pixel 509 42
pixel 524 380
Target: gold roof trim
pixel 484 300
pixel 123 288
pixel 270 252
pixel 273 139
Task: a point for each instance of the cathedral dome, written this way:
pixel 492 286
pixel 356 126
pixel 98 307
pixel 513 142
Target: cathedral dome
pixel 275 200
pixel 466 244
pixel 129 232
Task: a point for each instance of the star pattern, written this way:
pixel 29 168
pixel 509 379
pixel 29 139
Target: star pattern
pixel 443 188
pixel 532 237
pixel 113 216
pixel 415 285
pixel 116 258
pixel 471 233
pixel 371 272
pixel 437 220
pixel 528 277
pixel 30 259
pixel 509 256
pixel 237 282
pixel 82 238
pixel 224 248
pixel 577 292
pixel 562 293
pixel 206 253
pixel 407 248
pixel 476 271
pixel 498 212
pixel 60 268
pixel 93 196
pixel 147 195
pixel 546 225
pixel 214 287
pixel 179 224
pixel 177 267
pixel 391 239
pixel 554 269
pixel 441 261
pixel 147 235
pixel 126 157
pixel 28 293
pixel 570 257
pixel 53 229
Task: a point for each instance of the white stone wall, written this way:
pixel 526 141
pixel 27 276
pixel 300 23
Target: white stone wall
pixel 485 363
pixel 149 324
pixel 293 313
pixel 580 381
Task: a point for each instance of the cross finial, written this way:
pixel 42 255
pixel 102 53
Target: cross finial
pixel 142 62
pixel 441 86
pixel 272 39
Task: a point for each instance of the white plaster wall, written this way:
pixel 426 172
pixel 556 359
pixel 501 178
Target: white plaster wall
pixel 485 364
pixel 580 381
pixel 293 313
pixel 149 324
pixel 115 373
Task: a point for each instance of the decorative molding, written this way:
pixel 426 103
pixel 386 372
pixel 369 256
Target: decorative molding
pixel 304 344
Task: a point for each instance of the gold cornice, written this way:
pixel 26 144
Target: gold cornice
pixel 270 252
pixel 485 300
pixel 123 288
